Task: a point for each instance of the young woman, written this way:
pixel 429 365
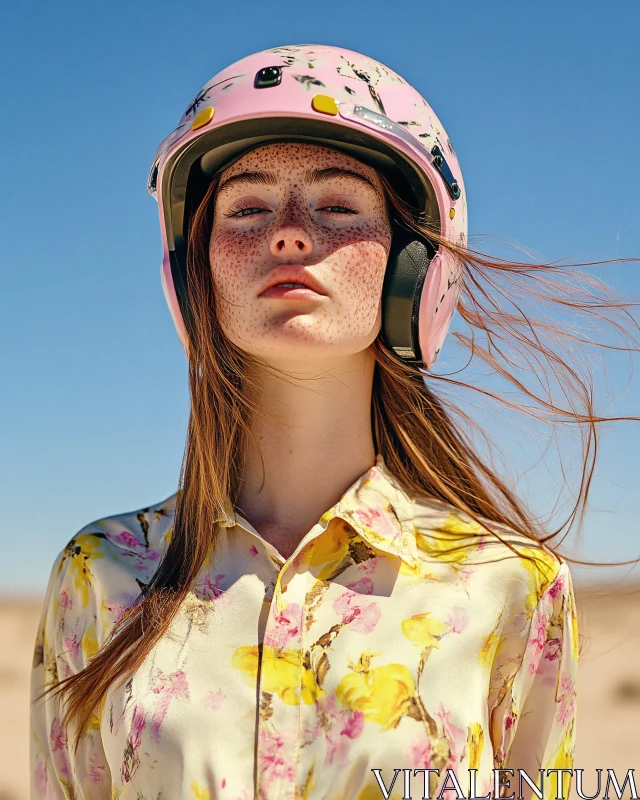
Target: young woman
pixel 343 594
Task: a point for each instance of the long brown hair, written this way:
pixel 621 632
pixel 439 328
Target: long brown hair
pixel 426 440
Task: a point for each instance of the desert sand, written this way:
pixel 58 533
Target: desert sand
pixel 608 690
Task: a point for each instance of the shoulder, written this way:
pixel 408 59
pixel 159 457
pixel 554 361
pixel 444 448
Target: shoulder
pixel 492 552
pixel 103 569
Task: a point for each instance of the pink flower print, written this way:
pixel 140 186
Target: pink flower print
pixel 554 649
pixel 339 726
pixel 44 788
pixel 56 735
pixel 368 566
pixel 565 700
pixel 379 521
pixel 458 619
pixel 359 614
pixel 536 644
pixel 286 626
pixel 135 549
pixel 354 724
pixel 127 539
pixel 97 772
pixel 420 754
pixel 557 587
pixel 214 700
pixel 58 742
pixel 131 760
pixel 363 586
pixel 464 574
pixel 253 550
pixel 273 758
pixel 338 746
pixel 116 610
pixel 167 688
pixel 138 724
pixel 72 645
pixel 456 736
pixel 64 601
pixel 212 591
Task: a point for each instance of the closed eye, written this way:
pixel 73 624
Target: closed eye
pixel 247 212
pixel 339 209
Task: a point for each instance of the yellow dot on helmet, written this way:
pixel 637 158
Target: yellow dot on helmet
pixel 324 104
pixel 452 213
pixel 203 118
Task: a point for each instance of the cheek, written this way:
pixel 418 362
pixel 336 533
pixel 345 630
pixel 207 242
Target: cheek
pixel 359 274
pixel 232 259
pixel 360 259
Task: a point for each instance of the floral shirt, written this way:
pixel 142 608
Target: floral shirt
pixel 399 636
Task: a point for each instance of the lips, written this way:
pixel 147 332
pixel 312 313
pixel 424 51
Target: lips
pixel 307 283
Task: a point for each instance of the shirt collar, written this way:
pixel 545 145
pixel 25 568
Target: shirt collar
pixel 376 507
pixel 381 512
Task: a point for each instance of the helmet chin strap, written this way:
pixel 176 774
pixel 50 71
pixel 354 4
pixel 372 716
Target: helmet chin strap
pixel 409 259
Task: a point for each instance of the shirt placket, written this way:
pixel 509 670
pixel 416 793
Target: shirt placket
pixel 280 674
pixel 280 688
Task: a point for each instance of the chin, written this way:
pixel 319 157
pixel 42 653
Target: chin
pixel 304 349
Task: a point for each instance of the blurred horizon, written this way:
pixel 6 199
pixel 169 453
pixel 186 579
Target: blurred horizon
pixel 540 102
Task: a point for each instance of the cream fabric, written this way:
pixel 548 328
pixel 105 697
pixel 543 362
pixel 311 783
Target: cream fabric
pixel 400 635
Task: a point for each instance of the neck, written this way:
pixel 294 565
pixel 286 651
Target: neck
pixel 315 437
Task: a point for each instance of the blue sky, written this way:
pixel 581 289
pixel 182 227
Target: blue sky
pixel 540 101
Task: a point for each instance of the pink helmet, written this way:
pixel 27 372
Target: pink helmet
pixel 341 99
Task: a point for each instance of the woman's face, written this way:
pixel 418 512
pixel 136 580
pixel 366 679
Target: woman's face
pixel 302 214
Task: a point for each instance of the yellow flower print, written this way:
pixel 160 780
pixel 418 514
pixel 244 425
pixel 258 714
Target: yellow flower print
pixel 449 541
pixel 541 572
pixel 331 549
pixel 382 694
pixel 94 723
pixel 246 659
pixel 199 792
pixel 454 524
pixel 475 743
pixel 90 642
pixel 492 642
pixel 417 572
pixel 81 551
pixel 281 673
pixel 563 759
pixel 310 691
pixel 422 629
pixel 309 784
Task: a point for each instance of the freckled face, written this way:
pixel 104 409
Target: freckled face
pixel 297 213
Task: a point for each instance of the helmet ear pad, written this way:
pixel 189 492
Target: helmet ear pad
pixel 410 256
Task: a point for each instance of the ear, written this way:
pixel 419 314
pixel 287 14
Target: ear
pixel 409 259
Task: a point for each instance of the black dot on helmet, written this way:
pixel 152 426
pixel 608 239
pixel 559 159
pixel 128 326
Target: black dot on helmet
pixel 267 77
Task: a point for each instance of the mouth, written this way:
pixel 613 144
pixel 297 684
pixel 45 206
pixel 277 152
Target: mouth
pixel 291 283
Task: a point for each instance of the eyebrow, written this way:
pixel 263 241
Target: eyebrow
pixel 321 175
pixel 314 176
pixel 264 178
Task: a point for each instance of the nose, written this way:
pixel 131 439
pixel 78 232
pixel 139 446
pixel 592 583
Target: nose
pixel 291 239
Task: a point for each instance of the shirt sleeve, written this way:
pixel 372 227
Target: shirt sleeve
pixel 65 640
pixel 538 729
